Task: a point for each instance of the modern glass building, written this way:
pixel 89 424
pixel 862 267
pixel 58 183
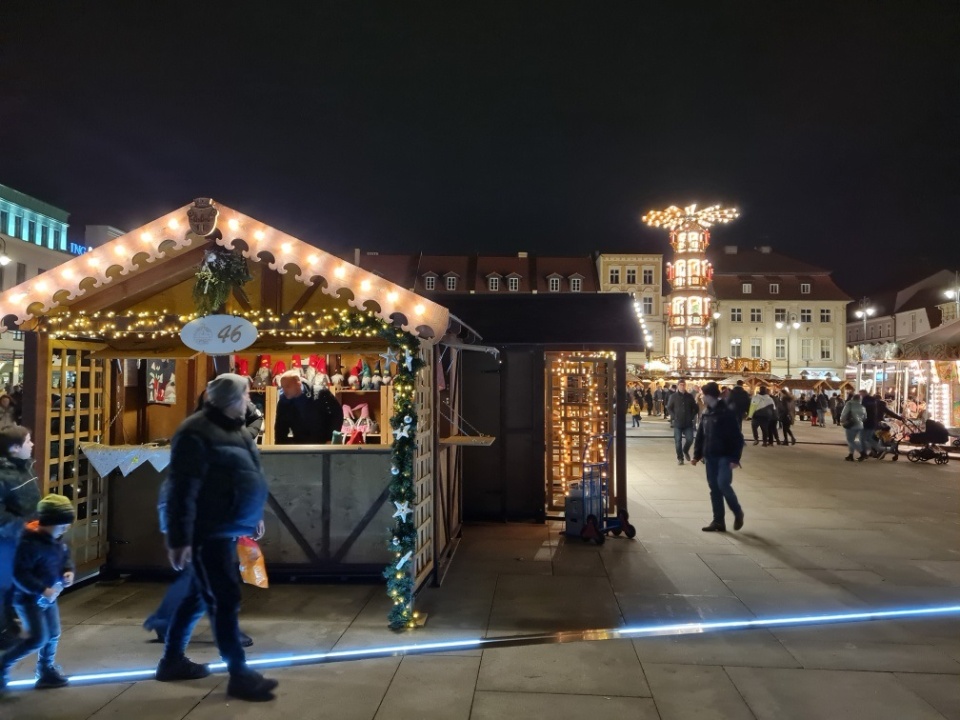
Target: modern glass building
pixel 32 220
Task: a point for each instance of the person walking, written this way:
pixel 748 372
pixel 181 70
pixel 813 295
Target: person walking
pixel 658 401
pixel 787 406
pixel 683 410
pixel 19 495
pixel 719 444
pixel 648 401
pixel 214 493
pixel 775 419
pixel 822 405
pixel 667 394
pixel 839 408
pixel 761 412
pixel 851 420
pixel 740 399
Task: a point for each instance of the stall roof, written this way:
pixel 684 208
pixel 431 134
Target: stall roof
pixel 598 320
pixel 171 237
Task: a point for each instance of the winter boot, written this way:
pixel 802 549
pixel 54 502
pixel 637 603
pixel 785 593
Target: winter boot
pixel 251 686
pixel 50 676
pixel 180 668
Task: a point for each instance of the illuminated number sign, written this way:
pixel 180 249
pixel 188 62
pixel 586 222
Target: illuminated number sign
pixel 219 334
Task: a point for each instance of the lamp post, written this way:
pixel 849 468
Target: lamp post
pixel 953 293
pixel 863 313
pixel 792 325
pixel 716 335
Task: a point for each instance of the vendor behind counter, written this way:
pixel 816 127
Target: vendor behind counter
pixel 302 420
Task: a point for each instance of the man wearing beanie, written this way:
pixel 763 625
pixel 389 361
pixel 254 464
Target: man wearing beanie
pixel 214 493
pixel 719 444
pixel 42 569
pixel 19 495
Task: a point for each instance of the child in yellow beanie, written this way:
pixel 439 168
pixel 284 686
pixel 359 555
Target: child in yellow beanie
pixel 42 568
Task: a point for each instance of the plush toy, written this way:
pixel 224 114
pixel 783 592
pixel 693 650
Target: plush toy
pixel 297 364
pixel 279 368
pixel 354 379
pixel 243 367
pixel 321 379
pixel 377 379
pixel 337 380
pixel 387 379
pixel 262 378
pixel 366 377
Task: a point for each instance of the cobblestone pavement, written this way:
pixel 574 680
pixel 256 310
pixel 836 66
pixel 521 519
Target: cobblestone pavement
pixel 821 535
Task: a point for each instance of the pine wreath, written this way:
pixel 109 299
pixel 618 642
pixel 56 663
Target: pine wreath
pixel 220 273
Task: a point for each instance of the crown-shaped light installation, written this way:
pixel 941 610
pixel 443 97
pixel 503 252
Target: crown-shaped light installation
pixel 673 218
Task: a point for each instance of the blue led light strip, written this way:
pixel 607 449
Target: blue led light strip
pixel 517 640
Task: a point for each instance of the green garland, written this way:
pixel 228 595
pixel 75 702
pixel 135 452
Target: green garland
pixel 402 545
pixel 219 274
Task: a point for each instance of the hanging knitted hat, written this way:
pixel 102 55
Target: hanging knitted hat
pixel 55 510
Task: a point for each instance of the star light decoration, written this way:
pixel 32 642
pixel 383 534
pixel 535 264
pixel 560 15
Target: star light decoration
pixel 390 356
pixel 673 218
pixel 403 509
pixel 408 360
pixel 402 432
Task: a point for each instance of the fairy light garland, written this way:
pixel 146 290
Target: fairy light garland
pixel 400 574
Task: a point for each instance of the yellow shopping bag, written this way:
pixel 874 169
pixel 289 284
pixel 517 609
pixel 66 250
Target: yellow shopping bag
pixel 253 569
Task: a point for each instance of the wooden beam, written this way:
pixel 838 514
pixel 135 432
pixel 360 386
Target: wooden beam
pixel 271 290
pixel 305 297
pixel 122 294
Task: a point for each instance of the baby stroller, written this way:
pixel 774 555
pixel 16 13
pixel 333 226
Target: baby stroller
pixel 932 439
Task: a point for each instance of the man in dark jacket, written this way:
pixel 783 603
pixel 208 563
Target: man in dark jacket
pixel 719 444
pixel 216 491
pixel 19 495
pixel 297 421
pixel 740 399
pixel 682 407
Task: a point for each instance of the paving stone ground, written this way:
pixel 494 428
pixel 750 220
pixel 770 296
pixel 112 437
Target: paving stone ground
pixel 821 535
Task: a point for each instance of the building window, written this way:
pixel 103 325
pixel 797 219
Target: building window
pixel 32 231
pixel 631 276
pixel 451 283
pixel 736 315
pixel 554 284
pixel 774 288
pixel 17 226
pixel 430 282
pixel 648 276
pixel 913 323
pixel 648 306
pixel 576 284
pixel 45 235
pixel 780 348
pixel 4 221
pixel 826 348
pixel 513 284
pixel 18 335
pixel 735 345
pixel 59 242
pixel 747 288
pixel 805 345
pixel 804 288
pixel 755 348
pixel 806 315
pixel 756 315
pixel 825 315
pixel 780 315
pixel 493 284
pixel 21 273
pixel 614 276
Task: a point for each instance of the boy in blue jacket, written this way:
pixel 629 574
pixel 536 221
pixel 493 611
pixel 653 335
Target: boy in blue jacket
pixel 42 568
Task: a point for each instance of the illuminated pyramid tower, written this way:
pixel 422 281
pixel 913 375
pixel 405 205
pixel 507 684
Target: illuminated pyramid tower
pixel 690 306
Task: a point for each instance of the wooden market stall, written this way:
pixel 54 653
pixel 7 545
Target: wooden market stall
pixel 109 379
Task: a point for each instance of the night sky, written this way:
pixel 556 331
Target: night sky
pixel 495 127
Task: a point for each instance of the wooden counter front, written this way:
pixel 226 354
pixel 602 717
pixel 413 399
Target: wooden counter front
pixel 327 513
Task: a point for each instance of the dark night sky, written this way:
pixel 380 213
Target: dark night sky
pixel 501 126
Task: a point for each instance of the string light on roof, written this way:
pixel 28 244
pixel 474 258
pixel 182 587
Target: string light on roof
pixel 673 218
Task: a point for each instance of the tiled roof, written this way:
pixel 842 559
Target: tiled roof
pixel 822 287
pixel 749 261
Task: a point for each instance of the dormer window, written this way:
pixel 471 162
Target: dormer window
pixel 493 284
pixel 804 288
pixel 451 282
pixel 430 282
pixel 774 288
pixel 513 284
pixel 747 288
pixel 554 284
pixel 576 284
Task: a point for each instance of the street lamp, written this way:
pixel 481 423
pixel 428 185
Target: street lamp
pixel 795 325
pixel 953 293
pixel 863 313
pixel 4 258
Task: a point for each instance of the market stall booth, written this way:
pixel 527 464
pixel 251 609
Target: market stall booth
pixel 558 381
pixel 111 373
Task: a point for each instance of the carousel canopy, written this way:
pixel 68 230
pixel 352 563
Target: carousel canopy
pixel 166 251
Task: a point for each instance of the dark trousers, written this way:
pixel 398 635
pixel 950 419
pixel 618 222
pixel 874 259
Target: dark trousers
pixel 180 588
pixel 214 588
pixel 761 420
pixel 8 548
pixel 772 430
pixel 686 435
pixel 41 633
pixel 720 480
pixel 787 432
